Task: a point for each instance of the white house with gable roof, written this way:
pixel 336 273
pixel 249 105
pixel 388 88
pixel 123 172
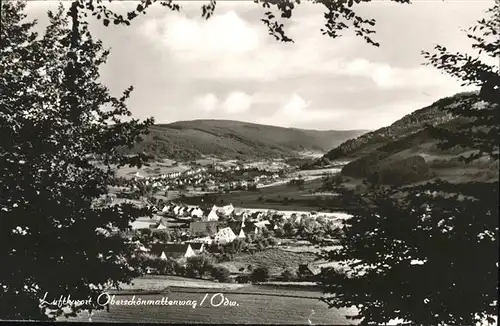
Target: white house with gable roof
pixel 225 235
pixel 197 212
pixel 212 216
pixel 226 210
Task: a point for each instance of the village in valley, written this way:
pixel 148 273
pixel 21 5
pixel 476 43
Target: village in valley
pixel 230 162
pixel 189 228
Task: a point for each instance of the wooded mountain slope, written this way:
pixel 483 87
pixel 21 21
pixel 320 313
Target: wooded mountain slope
pixel 395 135
pixel 406 152
pixel 228 139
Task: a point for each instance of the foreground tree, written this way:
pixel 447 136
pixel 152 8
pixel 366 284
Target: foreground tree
pixel 480 130
pixel 429 254
pixel 55 120
pixel 340 15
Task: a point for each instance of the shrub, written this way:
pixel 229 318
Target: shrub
pixel 162 236
pixel 288 275
pixel 156 264
pixel 226 257
pixel 279 232
pixel 249 238
pixel 180 270
pixel 142 262
pixel 272 241
pixel 243 279
pixel 198 265
pixel 260 274
pixel 220 273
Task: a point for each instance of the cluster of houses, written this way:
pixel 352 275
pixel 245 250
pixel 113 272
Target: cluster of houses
pixel 200 179
pixel 215 225
pixel 177 251
pixel 204 227
pixel 208 221
pixel 175 180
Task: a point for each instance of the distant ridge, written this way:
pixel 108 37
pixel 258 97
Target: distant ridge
pixel 188 140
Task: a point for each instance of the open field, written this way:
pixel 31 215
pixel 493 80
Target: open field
pixel 311 154
pixel 271 303
pixel 170 283
pixel 306 175
pixel 315 172
pixel 254 304
pixel 278 197
pixel 251 308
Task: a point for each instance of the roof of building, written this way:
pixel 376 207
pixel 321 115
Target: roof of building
pixel 313 269
pixel 196 245
pixel 235 226
pixel 170 249
pixel 262 224
pixel 225 233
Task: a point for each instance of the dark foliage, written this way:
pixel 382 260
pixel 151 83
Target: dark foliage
pixel 339 15
pixel 220 273
pixel 56 119
pixel 198 266
pixel 428 254
pixel 260 274
pixel 288 275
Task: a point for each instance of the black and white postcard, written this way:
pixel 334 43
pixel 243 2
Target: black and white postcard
pixel 322 162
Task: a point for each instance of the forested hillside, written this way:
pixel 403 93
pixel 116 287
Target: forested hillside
pixel 234 139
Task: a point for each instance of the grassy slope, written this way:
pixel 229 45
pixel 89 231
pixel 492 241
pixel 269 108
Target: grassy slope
pixel 233 139
pixel 275 259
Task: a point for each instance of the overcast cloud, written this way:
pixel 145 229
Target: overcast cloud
pixel 228 67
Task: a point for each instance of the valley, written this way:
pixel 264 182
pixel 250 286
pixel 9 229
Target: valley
pixel 258 219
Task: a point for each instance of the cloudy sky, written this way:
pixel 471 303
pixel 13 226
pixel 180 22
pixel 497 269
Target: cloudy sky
pixel 184 67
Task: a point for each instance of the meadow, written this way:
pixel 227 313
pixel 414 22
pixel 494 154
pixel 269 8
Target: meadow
pixel 275 258
pixel 279 197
